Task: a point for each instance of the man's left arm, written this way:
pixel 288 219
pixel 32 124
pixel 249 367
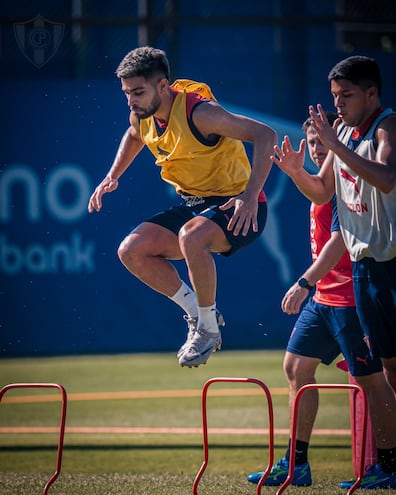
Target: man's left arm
pixel 211 118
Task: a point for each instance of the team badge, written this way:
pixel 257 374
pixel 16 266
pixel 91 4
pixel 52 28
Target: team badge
pixel 39 39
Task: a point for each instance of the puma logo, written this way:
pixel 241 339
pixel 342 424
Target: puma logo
pixel 362 360
pixel 348 177
pixel 160 151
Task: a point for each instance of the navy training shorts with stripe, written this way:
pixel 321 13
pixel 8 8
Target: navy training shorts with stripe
pixel 323 332
pixel 175 217
pixel 374 285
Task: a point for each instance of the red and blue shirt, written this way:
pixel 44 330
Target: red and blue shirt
pixel 336 287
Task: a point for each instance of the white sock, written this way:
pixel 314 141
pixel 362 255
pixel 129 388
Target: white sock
pixel 186 299
pixel 207 319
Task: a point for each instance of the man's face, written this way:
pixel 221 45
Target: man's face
pixel 353 104
pixel 316 149
pixel 142 95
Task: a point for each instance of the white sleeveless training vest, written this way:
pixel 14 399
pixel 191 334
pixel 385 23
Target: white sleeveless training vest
pixel 367 215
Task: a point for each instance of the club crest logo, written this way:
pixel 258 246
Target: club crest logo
pixel 39 39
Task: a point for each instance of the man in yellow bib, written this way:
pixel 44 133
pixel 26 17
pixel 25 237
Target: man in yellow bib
pixel 222 208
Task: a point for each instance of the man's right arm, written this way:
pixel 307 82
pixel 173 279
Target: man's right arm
pixel 328 258
pixel 130 146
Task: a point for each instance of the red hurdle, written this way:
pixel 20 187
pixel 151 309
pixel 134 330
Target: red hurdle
pixel 62 422
pixel 356 412
pixel 357 389
pixel 205 428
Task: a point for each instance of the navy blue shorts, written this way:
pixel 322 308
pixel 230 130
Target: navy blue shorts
pixel 175 217
pixel 323 332
pixel 374 284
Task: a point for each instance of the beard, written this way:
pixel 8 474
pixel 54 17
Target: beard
pixel 144 113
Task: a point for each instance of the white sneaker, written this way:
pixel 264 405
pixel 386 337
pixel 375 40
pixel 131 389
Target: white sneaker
pixel 200 348
pixel 192 328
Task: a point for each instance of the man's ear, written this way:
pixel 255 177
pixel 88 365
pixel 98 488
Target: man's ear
pixel 372 91
pixel 163 84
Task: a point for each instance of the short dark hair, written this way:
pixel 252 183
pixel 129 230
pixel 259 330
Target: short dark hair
pixel 361 71
pixel 331 116
pixel 144 61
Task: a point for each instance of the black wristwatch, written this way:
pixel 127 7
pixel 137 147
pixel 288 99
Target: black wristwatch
pixel 302 282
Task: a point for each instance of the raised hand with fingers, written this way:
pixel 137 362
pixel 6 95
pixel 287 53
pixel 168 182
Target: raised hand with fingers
pixel 287 159
pixel 327 133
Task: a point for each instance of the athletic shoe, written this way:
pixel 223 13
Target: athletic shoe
pixel 192 328
pixel 280 470
pixel 374 478
pixel 200 348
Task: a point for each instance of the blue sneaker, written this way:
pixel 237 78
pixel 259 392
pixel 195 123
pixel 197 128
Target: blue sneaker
pixel 302 474
pixel 374 478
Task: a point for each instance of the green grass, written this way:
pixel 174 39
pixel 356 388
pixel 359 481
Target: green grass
pixel 142 464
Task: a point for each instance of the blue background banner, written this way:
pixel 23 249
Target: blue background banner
pixel 62 287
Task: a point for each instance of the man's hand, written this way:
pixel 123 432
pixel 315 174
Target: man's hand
pixel 292 300
pixel 106 186
pixel 287 159
pixel 245 214
pixel 327 133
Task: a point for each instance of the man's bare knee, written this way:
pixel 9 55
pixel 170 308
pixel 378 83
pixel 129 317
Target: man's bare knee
pixel 129 250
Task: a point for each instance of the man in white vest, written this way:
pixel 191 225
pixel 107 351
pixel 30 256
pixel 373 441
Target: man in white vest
pixel 361 169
